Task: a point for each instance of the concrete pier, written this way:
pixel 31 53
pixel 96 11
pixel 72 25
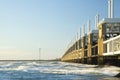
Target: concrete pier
pixel 100 46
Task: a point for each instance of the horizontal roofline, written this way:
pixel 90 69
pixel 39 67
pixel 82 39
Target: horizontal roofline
pixel 109 20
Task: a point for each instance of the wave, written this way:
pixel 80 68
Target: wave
pixel 59 68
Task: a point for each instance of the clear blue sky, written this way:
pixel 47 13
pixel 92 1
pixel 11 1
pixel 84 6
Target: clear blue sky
pixel 27 25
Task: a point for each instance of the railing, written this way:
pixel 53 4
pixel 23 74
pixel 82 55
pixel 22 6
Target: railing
pixel 112 46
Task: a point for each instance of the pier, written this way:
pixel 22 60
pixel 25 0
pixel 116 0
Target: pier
pixel 99 46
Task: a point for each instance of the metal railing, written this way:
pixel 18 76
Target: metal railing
pixel 112 46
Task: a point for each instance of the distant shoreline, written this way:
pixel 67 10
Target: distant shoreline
pixel 33 60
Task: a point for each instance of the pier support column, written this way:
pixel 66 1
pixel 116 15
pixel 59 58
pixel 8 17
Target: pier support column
pixel 89 48
pixel 89 54
pixel 82 60
pixel 100 60
pixel 82 50
pixel 100 51
pixel 118 62
pixel 101 39
pixel 89 60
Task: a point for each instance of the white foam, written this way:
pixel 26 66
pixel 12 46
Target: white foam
pixel 83 69
pixel 60 68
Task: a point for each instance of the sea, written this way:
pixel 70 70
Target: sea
pixel 55 70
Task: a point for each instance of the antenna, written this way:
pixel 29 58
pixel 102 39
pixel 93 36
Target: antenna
pixel 39 54
pixel 88 25
pixel 96 20
pixel 80 37
pixel 83 34
pixel 83 31
pixel 110 9
pixel 74 42
pixel 77 40
pixel 80 32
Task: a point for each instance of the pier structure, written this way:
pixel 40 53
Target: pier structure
pixel 98 46
pixel 108 41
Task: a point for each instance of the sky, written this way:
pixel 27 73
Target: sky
pixel 27 25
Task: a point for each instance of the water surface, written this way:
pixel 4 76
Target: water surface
pixel 53 70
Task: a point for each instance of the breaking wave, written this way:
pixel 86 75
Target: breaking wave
pixel 38 69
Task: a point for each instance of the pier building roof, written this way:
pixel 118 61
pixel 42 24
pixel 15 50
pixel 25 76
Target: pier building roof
pixel 109 20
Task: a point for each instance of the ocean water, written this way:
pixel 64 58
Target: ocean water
pixel 54 70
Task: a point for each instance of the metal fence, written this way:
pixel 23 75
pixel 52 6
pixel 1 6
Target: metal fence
pixel 112 46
